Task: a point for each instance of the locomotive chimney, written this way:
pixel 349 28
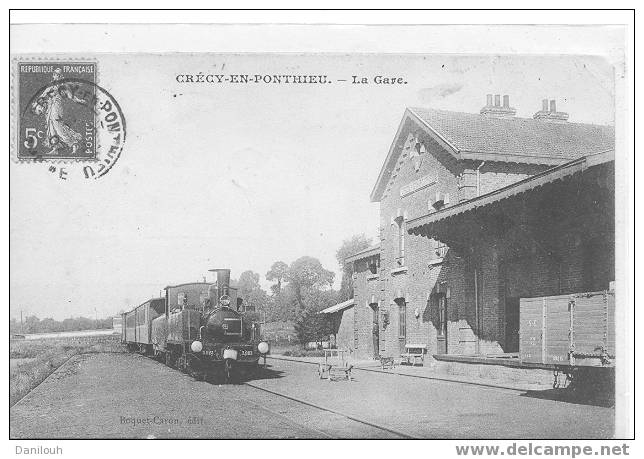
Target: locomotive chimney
pixel 223 282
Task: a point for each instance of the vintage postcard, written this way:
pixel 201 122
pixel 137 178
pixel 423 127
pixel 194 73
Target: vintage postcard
pixel 319 245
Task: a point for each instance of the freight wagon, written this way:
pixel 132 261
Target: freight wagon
pixel 569 333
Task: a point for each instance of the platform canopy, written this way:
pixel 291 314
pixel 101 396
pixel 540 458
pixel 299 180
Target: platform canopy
pixel 373 251
pixel 541 198
pixel 338 307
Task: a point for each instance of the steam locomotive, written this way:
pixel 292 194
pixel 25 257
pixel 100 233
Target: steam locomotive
pixel 197 328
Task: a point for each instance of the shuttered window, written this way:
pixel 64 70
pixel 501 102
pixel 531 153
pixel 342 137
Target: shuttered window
pixel 402 321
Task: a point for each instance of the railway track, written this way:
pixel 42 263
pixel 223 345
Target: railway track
pixel 389 430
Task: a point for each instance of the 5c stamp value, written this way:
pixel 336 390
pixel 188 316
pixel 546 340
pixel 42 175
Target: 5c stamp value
pixel 64 116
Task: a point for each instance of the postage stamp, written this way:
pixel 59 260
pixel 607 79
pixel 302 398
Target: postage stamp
pixel 64 116
pixel 56 120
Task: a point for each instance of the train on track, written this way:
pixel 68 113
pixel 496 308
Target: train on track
pixel 198 328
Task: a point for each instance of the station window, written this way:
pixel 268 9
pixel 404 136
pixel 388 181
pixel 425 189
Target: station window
pixel 373 266
pixel 440 249
pixel 402 320
pixel 400 237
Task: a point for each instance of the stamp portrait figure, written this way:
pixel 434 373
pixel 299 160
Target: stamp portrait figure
pixel 50 103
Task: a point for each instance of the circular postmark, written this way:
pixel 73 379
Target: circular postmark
pixel 73 124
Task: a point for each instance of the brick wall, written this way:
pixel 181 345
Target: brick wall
pixel 492 176
pixel 344 334
pixel 366 290
pixel 439 172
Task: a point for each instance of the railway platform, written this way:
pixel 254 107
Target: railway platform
pixel 528 379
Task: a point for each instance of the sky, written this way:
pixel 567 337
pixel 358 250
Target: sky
pixel 241 176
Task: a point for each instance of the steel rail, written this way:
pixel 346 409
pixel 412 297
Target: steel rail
pixel 339 413
pixel 286 418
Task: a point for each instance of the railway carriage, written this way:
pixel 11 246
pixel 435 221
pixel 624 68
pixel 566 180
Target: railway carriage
pixel 137 325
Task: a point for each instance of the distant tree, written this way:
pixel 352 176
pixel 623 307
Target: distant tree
pixel 349 247
pixel 48 325
pixel 14 326
pixel 69 324
pixel 311 326
pixel 310 285
pixel 277 273
pixel 284 306
pixel 32 324
pixel 253 295
pixel 306 274
pixel 248 282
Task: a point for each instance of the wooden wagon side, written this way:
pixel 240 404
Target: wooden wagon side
pixel 568 330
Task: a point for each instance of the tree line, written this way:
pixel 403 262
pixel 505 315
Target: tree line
pixel 298 292
pixel 32 324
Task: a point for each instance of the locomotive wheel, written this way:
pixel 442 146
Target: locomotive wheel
pixel 170 359
pixel 210 377
pixel 195 368
pixel 198 375
pixel 182 365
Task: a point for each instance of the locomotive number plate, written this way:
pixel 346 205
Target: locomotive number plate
pixel 246 353
pixel 209 352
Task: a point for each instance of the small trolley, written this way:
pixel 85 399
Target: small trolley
pixel 335 365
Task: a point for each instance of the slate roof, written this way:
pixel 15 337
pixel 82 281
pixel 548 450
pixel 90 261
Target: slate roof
pixel 476 133
pixel 519 140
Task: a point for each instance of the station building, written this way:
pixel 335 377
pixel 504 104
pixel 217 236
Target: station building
pixel 476 212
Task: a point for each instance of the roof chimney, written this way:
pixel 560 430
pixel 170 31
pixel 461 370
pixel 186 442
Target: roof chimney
pixel 550 113
pixel 496 110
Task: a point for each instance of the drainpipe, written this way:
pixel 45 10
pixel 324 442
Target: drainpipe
pixel 478 178
pixel 476 311
pixel 476 272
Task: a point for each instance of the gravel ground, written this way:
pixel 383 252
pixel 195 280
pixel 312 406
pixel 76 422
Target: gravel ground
pixel 102 395
pixel 444 409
